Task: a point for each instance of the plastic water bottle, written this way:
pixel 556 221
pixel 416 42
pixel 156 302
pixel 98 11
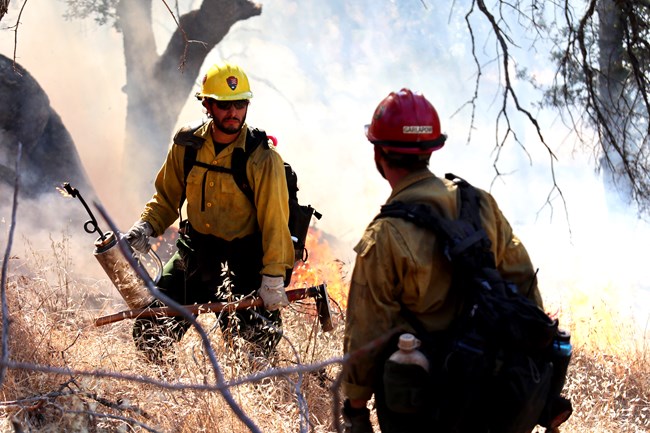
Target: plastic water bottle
pixel 562 351
pixel 562 343
pixel 408 352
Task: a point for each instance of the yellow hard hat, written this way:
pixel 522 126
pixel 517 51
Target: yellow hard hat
pixel 225 82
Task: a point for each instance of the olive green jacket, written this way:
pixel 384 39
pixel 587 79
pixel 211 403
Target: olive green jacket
pixel 228 213
pixel 398 264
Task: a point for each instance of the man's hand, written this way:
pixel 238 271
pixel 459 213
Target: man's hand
pixel 272 293
pixel 356 420
pixel 138 236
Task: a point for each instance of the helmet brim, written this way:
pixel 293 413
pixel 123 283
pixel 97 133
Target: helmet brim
pixel 235 97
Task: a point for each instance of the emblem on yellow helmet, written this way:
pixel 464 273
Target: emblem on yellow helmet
pixel 232 82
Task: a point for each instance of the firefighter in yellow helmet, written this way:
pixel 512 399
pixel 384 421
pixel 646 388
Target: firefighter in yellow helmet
pixel 245 231
pixel 398 265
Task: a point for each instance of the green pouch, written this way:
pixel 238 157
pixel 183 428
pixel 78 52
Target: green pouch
pixel 406 387
pixel 183 245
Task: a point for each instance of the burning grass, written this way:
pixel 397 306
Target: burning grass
pixel 68 375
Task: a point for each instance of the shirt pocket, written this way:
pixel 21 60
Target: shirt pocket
pixel 193 185
pixel 226 182
pixel 230 202
pixel 364 246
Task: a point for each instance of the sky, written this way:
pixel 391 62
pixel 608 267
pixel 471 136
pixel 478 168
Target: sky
pixel 317 70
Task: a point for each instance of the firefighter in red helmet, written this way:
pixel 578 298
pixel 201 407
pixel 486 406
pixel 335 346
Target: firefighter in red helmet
pixel 398 266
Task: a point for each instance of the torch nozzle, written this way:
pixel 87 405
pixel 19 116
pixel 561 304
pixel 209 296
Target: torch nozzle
pixel 70 190
pixel 91 225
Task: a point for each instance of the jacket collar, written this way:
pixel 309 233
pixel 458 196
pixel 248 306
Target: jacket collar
pixel 410 179
pixel 204 133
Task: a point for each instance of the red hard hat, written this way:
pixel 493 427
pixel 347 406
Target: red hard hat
pixel 405 122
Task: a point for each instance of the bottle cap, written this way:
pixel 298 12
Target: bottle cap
pixel 563 335
pixel 408 342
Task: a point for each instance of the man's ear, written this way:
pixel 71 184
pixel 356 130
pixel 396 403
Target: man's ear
pixel 207 105
pixel 378 153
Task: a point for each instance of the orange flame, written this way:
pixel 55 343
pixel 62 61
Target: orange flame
pixel 322 266
pixel 63 192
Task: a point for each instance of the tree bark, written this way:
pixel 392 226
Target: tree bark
pixel 611 99
pixel 4 6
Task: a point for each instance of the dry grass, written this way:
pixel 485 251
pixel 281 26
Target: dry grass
pixel 609 375
pixel 52 327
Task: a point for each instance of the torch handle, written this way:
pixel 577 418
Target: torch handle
pixel 212 307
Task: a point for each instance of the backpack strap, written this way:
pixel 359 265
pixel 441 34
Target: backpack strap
pixel 470 213
pixel 459 236
pixel 191 143
pixel 254 137
pixel 465 242
pixel 185 137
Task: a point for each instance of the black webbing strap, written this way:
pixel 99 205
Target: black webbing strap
pixel 254 137
pixel 465 242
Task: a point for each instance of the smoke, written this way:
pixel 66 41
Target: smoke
pixel 318 70
pixel 79 66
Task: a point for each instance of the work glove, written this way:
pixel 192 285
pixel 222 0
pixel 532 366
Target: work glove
pixel 138 236
pixel 356 420
pixel 272 293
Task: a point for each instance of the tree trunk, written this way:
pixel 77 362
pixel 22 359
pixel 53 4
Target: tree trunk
pixel 157 86
pixel 612 102
pixel 4 6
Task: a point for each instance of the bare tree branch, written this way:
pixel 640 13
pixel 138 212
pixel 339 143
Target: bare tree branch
pixel 126 251
pixel 5 266
pixel 173 386
pixel 503 51
pixel 20 14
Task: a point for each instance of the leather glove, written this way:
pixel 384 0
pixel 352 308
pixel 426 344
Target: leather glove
pixel 356 420
pixel 272 293
pixel 138 236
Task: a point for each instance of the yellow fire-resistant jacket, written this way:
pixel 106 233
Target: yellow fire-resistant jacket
pixel 396 264
pixel 228 214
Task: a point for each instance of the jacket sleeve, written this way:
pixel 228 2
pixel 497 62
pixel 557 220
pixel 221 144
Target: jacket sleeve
pixel 266 171
pixel 162 210
pixel 512 259
pixel 370 313
pixel 383 268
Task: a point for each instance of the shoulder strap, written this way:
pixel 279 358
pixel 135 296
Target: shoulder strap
pixel 254 137
pixel 191 143
pixel 185 137
pixel 465 242
pixel 461 235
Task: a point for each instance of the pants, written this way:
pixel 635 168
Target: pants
pixel 196 274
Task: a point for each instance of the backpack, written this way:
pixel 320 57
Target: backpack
pixel 299 215
pixel 498 368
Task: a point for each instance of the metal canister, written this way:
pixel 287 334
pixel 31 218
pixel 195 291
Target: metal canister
pixel 128 284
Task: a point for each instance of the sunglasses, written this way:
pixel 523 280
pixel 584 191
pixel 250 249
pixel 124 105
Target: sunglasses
pixel 225 105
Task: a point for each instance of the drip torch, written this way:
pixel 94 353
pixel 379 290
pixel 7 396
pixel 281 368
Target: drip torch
pixel 128 284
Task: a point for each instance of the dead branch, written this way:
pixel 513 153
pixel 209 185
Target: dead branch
pixel 126 252
pixel 173 386
pixel 20 14
pixel 184 35
pixel 5 265
pixel 510 94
